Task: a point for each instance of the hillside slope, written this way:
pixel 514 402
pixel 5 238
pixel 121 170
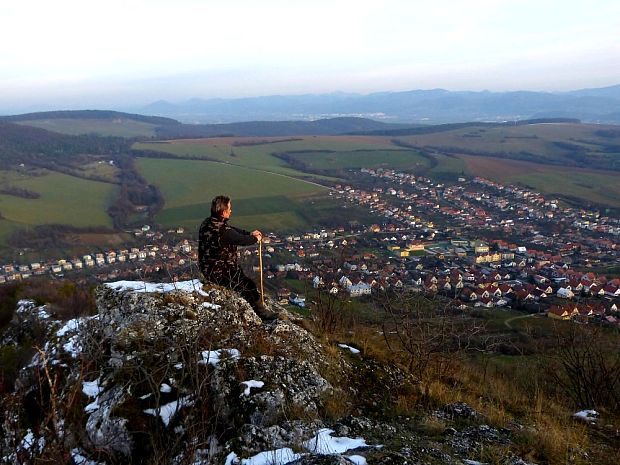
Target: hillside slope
pixel 179 374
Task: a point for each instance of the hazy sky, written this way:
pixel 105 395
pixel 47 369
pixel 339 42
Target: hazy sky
pixel 77 52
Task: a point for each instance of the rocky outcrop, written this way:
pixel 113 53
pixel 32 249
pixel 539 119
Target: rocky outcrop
pixel 183 374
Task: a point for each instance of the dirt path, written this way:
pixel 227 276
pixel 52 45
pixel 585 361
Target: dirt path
pixel 520 317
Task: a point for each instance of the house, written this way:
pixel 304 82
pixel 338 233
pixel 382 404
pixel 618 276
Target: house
pixel 484 302
pixel 283 295
pixel 565 293
pixel 524 294
pixel 345 282
pixel 359 289
pixel 561 313
pixel 612 290
pixel 297 300
pixel 468 295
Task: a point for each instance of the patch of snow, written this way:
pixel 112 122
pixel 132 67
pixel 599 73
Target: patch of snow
pixel 231 459
pixel 24 305
pixel 92 388
pixel 30 442
pixel 589 416
pixel 178 366
pixel 79 459
pixel 473 462
pixel 324 443
pixel 272 457
pixel 43 315
pixel 210 305
pixel 357 459
pixel 165 388
pixel 251 384
pixel 213 357
pixel 73 346
pixel 167 411
pixel 145 396
pixel 93 406
pixel 71 325
pixel 193 285
pixel 352 349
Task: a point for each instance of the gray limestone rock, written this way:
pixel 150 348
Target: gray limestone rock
pixel 106 432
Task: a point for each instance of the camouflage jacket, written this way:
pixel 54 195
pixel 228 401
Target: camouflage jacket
pixel 217 247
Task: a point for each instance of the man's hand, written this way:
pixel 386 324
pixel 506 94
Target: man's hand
pixel 257 234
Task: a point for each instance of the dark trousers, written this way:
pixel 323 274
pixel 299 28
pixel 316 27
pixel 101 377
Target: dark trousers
pixel 236 280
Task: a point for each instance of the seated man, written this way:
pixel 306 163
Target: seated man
pixel 217 254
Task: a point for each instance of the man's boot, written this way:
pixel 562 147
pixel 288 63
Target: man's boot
pixel 266 314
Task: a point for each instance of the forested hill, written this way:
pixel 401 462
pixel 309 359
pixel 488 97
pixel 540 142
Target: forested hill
pixel 431 129
pixel 98 122
pixel 331 126
pixel 25 144
pixel 88 114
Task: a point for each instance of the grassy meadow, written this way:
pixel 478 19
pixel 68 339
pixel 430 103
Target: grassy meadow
pixel 267 190
pixel 102 127
pixel 63 200
pixel 395 158
pixel 592 185
pixel 234 150
pixel 338 153
pixel 258 197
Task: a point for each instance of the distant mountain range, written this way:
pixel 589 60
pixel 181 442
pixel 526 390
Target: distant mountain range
pixel 601 105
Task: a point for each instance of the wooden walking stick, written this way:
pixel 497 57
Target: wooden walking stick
pixel 260 261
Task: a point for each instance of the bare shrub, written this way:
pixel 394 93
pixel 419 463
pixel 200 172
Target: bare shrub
pixel 330 314
pixel 585 365
pixel 428 337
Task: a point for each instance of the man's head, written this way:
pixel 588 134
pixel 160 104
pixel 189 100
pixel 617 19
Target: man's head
pixel 220 206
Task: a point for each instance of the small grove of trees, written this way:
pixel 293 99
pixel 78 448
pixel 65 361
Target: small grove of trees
pixel 429 337
pixel 19 192
pixel 585 365
pixel 135 192
pixel 25 144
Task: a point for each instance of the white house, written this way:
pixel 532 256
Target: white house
pixel 565 293
pixel 359 289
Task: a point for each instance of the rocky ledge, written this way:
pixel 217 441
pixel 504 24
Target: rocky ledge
pixel 181 374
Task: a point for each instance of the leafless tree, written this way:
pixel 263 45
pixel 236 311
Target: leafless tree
pixel 585 364
pixel 430 337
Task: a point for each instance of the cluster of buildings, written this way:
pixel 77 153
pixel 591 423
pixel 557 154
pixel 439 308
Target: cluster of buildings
pixel 161 248
pixel 477 243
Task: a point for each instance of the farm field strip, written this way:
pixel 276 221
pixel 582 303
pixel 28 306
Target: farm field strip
pixel 63 200
pixel 243 156
pixel 386 158
pixel 593 185
pixel 546 141
pixel 189 185
pixel 74 127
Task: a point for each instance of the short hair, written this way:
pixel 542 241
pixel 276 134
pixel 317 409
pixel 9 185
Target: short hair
pixel 219 205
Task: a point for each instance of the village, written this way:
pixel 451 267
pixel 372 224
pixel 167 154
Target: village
pixel 474 244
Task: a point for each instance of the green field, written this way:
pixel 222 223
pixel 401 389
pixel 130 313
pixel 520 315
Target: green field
pixel 597 187
pixel 395 158
pixel 554 143
pixel 104 127
pixel 258 197
pixel 447 168
pixel 261 156
pixel 63 200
